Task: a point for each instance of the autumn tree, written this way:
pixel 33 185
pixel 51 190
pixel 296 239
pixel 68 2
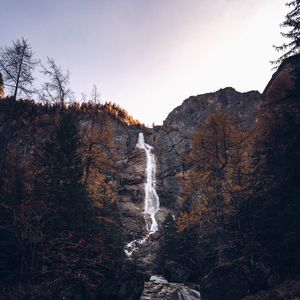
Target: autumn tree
pixel 99 155
pixel 217 181
pixel 99 148
pixel 292 21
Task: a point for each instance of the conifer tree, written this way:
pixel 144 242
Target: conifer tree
pixel 62 175
pixel 292 21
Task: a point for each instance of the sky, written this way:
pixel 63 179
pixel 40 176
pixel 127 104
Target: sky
pixel 150 55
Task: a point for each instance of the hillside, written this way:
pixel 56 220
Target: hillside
pixel 227 177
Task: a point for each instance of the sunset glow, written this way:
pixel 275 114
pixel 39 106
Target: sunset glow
pixel 145 54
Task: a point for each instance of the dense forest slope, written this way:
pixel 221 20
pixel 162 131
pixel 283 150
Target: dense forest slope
pixel 238 229
pixel 228 179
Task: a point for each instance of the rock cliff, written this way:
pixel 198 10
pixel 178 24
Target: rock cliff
pixel 173 138
pixel 171 142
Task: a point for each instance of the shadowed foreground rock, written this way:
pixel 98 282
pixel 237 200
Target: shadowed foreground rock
pixel 234 280
pixel 159 289
pixel 287 290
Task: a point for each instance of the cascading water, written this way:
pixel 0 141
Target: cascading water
pixel 151 198
pixel 157 287
pixel 151 202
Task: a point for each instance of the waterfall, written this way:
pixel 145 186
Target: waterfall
pixel 151 205
pixel 151 201
pixel 157 287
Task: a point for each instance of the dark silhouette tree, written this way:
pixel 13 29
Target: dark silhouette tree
pixel 61 176
pixel 57 90
pixel 292 21
pixel 17 65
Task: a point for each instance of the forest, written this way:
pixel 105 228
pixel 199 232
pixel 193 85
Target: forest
pixel 236 234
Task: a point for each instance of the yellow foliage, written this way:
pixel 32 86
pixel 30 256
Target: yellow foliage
pixel 218 178
pixel 99 155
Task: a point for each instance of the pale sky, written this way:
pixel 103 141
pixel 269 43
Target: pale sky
pixel 150 55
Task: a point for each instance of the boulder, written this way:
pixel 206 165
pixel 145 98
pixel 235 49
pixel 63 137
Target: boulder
pixel 175 272
pixel 161 290
pixel 237 279
pixel 285 82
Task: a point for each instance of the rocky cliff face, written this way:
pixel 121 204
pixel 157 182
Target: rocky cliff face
pixel 173 139
pixel 285 82
pixel 171 142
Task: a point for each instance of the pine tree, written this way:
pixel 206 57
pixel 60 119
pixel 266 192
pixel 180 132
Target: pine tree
pixel 170 241
pixel 292 21
pixel 61 177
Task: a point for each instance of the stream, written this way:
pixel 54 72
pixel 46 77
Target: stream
pixel 157 287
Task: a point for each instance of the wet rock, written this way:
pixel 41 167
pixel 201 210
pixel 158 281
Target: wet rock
pixel 146 253
pixel 133 220
pixel 162 290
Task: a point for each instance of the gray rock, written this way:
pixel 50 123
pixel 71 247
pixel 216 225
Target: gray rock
pixel 159 290
pixel 173 139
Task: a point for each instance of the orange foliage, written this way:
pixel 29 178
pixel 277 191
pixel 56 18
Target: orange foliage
pixel 218 178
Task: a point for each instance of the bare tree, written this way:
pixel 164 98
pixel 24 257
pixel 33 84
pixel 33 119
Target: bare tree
pixel 57 89
pixel 95 94
pixel 83 97
pixel 17 65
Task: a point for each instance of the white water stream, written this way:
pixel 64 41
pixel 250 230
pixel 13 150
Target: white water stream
pixel 151 202
pixel 151 207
